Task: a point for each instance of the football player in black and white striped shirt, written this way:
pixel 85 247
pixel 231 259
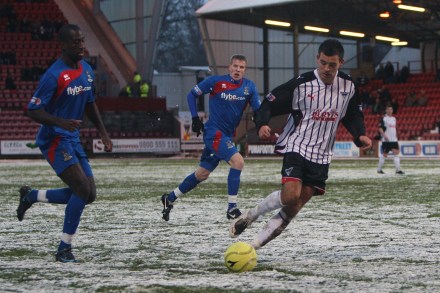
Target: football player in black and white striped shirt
pixel 317 102
pixel 388 132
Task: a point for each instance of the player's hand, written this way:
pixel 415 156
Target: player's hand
pixel 264 132
pixel 70 124
pixel 108 144
pixel 197 125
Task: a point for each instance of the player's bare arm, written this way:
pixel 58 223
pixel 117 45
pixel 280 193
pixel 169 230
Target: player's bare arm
pixel 92 113
pixel 41 116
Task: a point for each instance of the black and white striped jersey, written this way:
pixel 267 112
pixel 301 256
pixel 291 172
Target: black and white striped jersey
pixel 315 112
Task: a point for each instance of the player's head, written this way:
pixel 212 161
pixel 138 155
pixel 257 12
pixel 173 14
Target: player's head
pixel 237 66
pixel 389 110
pixel 72 43
pixel 330 58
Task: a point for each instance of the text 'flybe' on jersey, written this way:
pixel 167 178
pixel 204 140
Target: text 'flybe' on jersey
pixel 230 97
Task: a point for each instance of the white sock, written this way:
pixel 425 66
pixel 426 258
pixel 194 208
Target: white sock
pixel 66 238
pixel 397 163
pixel 232 199
pixel 381 162
pixel 271 230
pixel 177 192
pixel 41 196
pixel 270 203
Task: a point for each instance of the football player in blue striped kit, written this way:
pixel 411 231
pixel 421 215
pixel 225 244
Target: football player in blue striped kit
pixel 317 101
pixel 229 96
pixel 64 94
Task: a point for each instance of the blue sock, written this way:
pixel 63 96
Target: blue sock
pixel 72 215
pixel 63 246
pixel 233 185
pixel 232 205
pixel 32 196
pixel 189 183
pixel 61 195
pixel 172 197
pixel 233 181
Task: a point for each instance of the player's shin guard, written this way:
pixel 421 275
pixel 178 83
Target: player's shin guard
pixel 73 213
pixel 381 163
pixel 271 230
pixel 59 196
pixel 397 163
pixel 188 184
pixel 233 181
pixel 270 203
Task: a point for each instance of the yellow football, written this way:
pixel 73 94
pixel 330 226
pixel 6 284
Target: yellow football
pixel 240 257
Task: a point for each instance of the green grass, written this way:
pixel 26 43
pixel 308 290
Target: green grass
pixel 369 233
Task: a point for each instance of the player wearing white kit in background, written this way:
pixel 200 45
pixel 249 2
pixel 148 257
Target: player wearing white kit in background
pixel 388 131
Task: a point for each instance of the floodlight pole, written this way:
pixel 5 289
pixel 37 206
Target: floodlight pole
pixel 295 51
pixel 265 61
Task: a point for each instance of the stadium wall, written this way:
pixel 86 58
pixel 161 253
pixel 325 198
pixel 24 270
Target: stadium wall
pixel 409 149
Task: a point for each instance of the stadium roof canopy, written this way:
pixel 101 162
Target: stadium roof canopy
pixel 336 15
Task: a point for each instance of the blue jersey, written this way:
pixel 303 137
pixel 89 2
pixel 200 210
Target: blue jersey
pixel 227 101
pixel 63 92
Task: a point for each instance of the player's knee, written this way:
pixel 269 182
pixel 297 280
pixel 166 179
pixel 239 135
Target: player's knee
pixel 237 161
pixel 202 174
pixel 92 197
pixel 290 195
pixel 86 192
pixel 291 199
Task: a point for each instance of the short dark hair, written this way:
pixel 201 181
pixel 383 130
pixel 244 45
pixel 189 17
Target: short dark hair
pixel 238 57
pixel 64 32
pixel 332 47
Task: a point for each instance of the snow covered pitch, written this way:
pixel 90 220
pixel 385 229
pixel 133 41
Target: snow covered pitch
pixel 369 233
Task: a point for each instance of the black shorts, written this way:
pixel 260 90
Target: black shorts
pixel 387 146
pixel 297 168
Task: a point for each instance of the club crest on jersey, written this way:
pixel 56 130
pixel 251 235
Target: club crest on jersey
pixel 224 86
pixel 344 94
pixel 246 90
pixel 66 156
pixel 89 77
pixel 35 101
pixel 66 77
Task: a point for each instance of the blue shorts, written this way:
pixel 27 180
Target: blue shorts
pixel 61 154
pixel 217 147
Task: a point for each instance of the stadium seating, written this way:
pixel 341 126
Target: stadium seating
pixel 412 122
pixel 28 51
pixel 32 51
